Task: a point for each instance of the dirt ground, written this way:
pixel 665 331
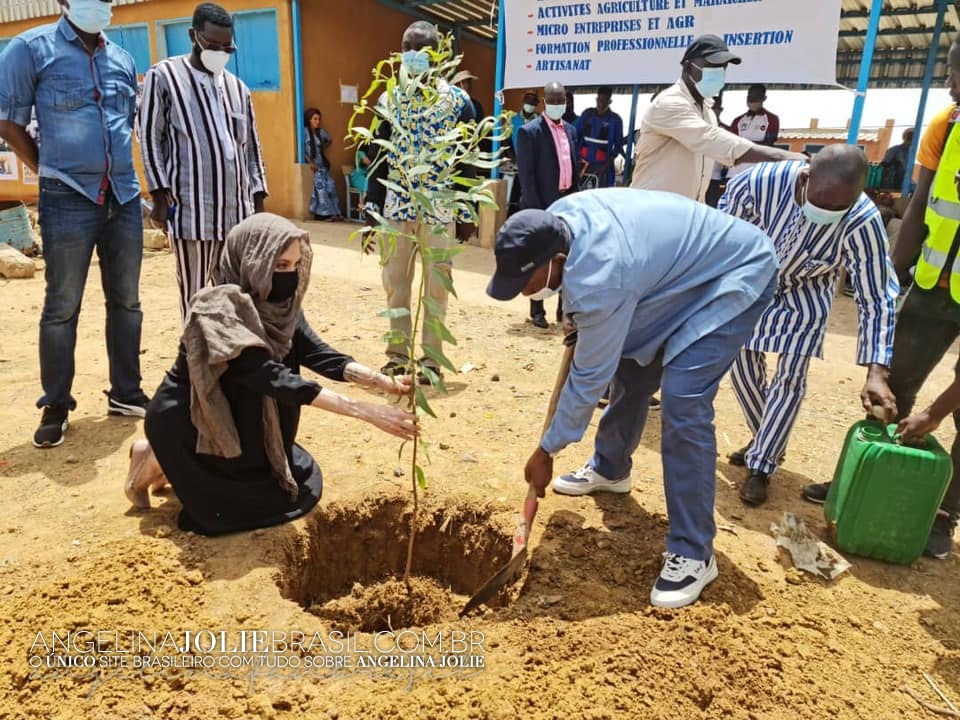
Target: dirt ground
pixel 577 640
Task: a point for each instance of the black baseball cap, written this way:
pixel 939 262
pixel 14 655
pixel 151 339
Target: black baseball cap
pixel 711 48
pixel 527 240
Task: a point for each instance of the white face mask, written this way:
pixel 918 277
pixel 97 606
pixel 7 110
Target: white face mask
pixel 91 16
pixel 818 215
pixel 546 292
pixel 214 60
pixel 555 112
pixel 529 109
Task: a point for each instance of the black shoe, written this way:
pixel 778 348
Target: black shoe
pixel 539 320
pixel 940 542
pixel 53 425
pixel 422 377
pixel 394 367
pixel 131 407
pixel 816 493
pixel 654 403
pixel 739 457
pixel 754 490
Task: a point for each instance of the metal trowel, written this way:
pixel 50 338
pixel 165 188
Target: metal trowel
pixel 518 558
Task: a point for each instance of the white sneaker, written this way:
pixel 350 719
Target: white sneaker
pixel 682 580
pixel 586 480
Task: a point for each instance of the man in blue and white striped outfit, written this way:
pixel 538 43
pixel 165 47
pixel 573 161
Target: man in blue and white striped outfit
pixel 820 221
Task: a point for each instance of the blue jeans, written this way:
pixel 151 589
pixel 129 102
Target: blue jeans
pixel 688 440
pixel 71 228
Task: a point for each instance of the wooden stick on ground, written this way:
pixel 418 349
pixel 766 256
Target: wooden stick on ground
pixel 938 691
pixel 932 708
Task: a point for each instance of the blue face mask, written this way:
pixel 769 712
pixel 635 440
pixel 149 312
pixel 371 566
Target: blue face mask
pixel 818 215
pixel 91 16
pixel 415 61
pixel 711 81
pixel 555 112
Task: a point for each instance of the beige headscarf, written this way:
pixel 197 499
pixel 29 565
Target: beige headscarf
pixel 234 315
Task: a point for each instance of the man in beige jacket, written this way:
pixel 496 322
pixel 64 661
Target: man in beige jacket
pixel 680 139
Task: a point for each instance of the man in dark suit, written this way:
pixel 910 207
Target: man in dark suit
pixel 546 167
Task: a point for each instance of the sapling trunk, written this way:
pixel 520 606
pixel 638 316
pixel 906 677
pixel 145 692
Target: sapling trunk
pixel 426 170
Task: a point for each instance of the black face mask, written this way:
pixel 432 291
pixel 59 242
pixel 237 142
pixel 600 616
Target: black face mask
pixel 284 286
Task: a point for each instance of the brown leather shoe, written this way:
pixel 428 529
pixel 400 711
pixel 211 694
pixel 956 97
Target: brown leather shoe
pixel 754 490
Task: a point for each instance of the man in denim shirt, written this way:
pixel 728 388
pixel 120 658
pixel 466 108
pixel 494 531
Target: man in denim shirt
pixel 84 88
pixel 664 291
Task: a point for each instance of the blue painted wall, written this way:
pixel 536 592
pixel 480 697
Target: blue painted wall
pixel 257 60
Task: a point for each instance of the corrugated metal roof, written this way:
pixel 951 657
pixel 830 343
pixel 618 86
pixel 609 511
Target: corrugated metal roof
pixel 14 10
pixel 478 17
pixel 903 41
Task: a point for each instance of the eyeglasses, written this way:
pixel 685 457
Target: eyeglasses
pixel 207 45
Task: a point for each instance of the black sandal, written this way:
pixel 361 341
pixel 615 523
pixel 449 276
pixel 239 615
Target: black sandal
pixel 394 367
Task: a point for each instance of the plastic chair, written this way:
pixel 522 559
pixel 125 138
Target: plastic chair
pixel 589 181
pixel 351 191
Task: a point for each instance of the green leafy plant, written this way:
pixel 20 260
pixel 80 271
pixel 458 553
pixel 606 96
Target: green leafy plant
pixel 426 167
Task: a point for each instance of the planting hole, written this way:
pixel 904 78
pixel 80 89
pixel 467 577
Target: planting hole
pixel 348 567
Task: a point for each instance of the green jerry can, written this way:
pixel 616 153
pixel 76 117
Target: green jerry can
pixel 884 495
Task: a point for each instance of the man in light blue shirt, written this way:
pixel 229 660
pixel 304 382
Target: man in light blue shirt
pixel 84 89
pixel 664 291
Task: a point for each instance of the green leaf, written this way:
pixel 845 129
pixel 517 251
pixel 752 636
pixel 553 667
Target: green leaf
pixel 439 358
pixel 433 307
pixel 394 313
pixel 424 446
pixel 396 187
pixel 395 337
pixel 421 478
pixel 422 403
pixel 486 164
pixel 435 380
pixel 465 181
pixel 436 326
pixel 443 277
pixel 420 170
pixel 440 254
pixel 422 200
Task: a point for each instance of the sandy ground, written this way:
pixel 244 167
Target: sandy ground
pixel 578 638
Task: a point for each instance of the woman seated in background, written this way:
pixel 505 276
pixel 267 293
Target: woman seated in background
pixel 324 203
pixel 222 426
pixel 358 176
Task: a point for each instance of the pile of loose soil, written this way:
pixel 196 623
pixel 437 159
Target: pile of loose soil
pixel 390 605
pixel 579 640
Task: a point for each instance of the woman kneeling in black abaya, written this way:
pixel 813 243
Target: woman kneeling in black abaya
pixel 222 426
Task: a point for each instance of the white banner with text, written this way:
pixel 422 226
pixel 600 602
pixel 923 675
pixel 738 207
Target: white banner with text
pixel 637 42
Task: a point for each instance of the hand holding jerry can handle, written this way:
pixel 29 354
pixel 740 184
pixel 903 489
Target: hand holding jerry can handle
pixel 900 437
